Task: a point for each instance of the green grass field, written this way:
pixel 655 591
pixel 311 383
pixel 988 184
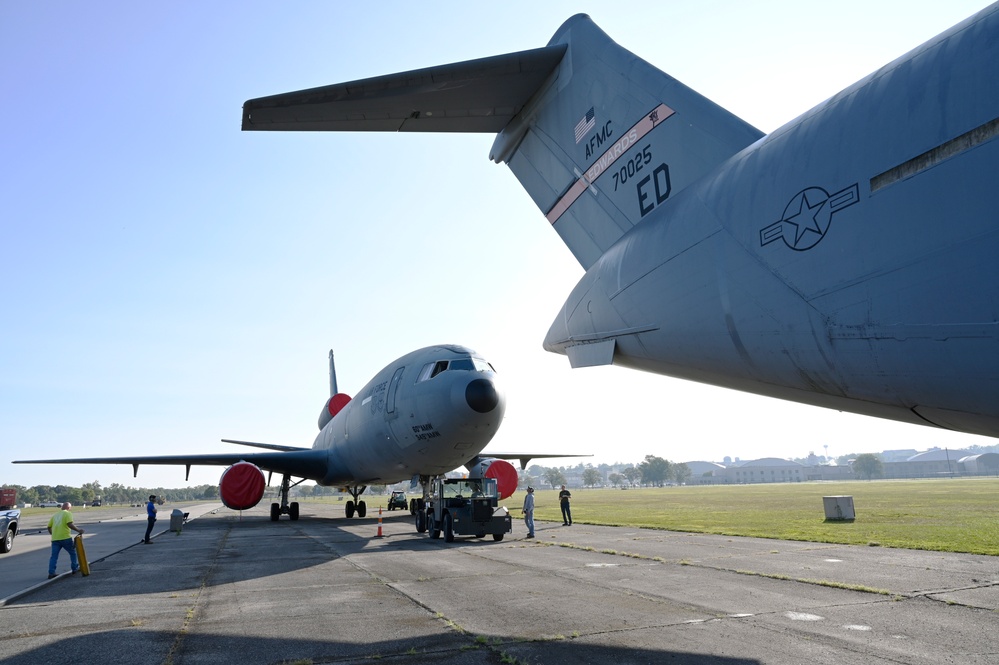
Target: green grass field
pixel 951 515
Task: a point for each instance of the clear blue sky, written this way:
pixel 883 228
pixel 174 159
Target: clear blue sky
pixel 167 280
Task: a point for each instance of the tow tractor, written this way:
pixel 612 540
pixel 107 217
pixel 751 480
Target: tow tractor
pixel 466 507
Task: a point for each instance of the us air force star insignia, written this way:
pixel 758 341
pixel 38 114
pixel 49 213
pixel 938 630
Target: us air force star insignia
pixel 807 215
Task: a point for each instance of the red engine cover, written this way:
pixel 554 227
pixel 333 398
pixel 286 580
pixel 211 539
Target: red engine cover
pixel 241 486
pixel 333 406
pixel 505 475
pixel 337 402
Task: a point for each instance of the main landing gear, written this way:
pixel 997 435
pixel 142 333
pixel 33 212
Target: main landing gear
pixel 285 508
pixel 356 505
pixel 418 507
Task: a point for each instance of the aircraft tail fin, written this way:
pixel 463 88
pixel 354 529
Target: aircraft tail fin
pixel 597 136
pixel 611 139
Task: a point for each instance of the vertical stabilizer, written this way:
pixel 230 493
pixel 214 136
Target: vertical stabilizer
pixel 333 388
pixel 611 139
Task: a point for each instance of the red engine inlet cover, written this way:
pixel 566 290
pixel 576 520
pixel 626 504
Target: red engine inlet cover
pixel 241 486
pixel 505 475
pixel 337 402
pixel 333 406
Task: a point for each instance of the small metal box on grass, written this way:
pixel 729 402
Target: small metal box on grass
pixel 839 507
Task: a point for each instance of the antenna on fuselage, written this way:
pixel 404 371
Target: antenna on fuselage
pixel 333 390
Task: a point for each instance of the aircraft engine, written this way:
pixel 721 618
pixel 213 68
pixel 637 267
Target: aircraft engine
pixel 332 407
pixel 241 486
pixel 504 473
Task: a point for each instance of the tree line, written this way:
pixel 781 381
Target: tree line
pixel 653 471
pixel 113 494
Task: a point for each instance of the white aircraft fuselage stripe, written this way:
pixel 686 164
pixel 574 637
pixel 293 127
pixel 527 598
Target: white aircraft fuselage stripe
pixel 648 122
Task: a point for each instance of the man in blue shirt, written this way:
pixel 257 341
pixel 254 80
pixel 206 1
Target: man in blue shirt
pixel 150 518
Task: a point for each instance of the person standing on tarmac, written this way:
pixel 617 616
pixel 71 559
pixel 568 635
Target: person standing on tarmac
pixel 563 499
pixel 59 526
pixel 150 518
pixel 528 511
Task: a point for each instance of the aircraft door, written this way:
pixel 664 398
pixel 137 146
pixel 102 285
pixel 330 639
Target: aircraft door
pixel 393 389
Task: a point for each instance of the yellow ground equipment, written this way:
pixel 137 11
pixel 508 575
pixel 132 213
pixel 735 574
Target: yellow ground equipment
pixel 81 554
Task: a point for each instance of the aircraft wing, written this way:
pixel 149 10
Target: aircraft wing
pixel 473 96
pixel 523 458
pixel 268 446
pixel 302 463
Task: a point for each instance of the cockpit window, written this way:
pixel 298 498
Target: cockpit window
pixel 430 370
pixel 482 366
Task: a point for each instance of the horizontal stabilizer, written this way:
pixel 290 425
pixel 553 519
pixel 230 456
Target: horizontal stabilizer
pixel 473 96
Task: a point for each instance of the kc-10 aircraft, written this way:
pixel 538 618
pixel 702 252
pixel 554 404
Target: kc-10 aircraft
pixel 846 260
pixel 427 413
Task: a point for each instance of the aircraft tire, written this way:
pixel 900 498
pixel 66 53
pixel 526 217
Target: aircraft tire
pixel 412 506
pixel 349 509
pixel 275 512
pixel 497 537
pixel 421 522
pixel 448 529
pixel 293 510
pixel 362 509
pixel 433 528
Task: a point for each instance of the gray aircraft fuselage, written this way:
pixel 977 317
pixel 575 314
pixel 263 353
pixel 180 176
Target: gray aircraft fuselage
pixel 425 414
pixel 847 260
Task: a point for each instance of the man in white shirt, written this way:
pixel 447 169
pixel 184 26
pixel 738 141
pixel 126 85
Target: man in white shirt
pixel 528 511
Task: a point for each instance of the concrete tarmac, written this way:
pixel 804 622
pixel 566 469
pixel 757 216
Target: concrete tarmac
pixel 108 531
pixel 241 589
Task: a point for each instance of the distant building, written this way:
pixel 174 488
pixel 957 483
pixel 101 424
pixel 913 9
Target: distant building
pixel 985 464
pixel 897 455
pixel 939 455
pixel 929 464
pixel 706 473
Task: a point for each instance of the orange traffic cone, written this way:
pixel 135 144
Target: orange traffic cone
pixel 379 523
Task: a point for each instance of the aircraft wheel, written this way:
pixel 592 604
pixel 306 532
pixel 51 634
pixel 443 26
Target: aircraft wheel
pixel 349 509
pixel 448 529
pixel 293 510
pixel 433 527
pixel 362 509
pixel 412 506
pixel 7 544
pixel 421 522
pixel 497 537
pixel 275 512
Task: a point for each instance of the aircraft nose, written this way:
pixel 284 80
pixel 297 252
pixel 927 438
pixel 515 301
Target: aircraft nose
pixel 481 395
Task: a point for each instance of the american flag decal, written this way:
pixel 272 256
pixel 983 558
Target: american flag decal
pixel 585 125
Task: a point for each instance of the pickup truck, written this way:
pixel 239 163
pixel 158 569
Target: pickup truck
pixel 8 529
